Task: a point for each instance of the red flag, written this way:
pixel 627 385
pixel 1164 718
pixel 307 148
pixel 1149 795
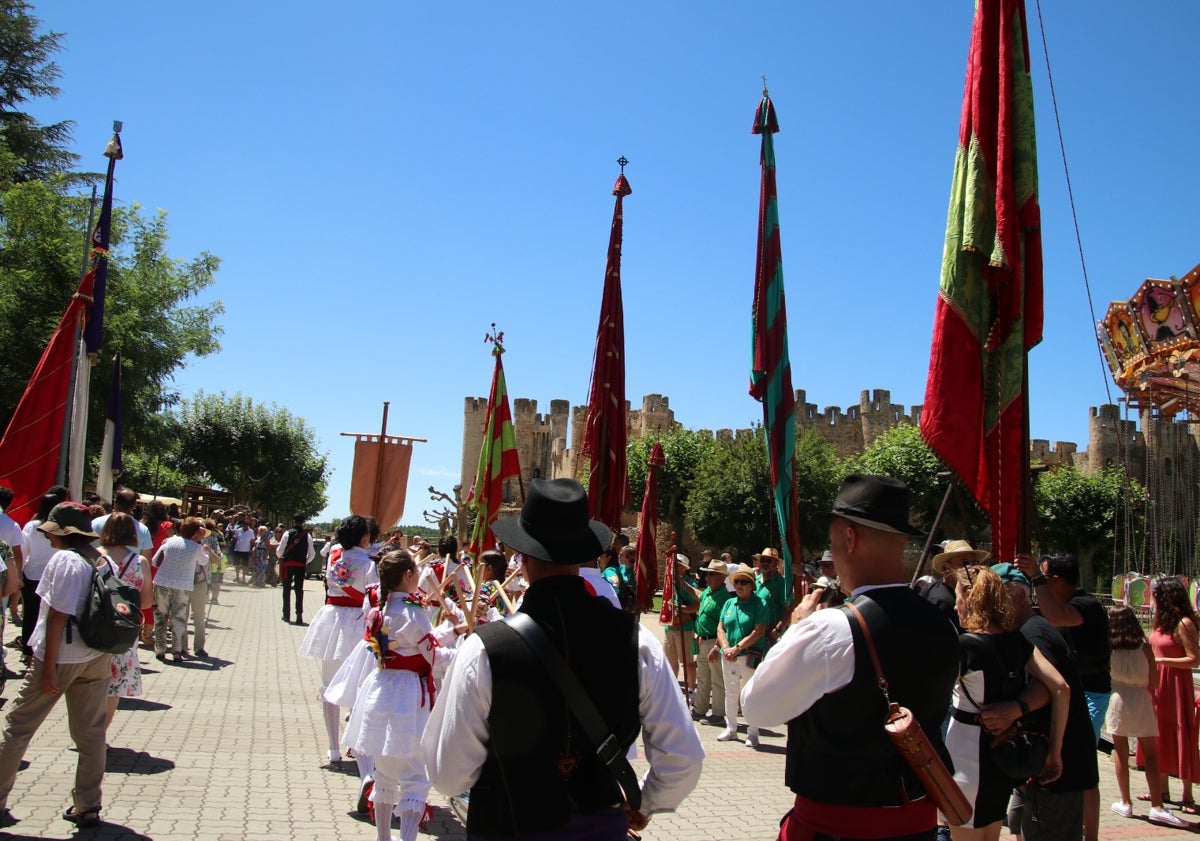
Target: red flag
pixel 497 458
pixel 989 309
pixel 31 444
pixel 604 436
pixel 645 568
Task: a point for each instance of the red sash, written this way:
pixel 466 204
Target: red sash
pixel 354 599
pixel 808 817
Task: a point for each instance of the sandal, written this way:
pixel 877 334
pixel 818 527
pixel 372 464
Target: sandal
pixel 90 818
pixel 1188 807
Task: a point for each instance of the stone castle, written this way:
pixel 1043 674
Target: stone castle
pixel 542 439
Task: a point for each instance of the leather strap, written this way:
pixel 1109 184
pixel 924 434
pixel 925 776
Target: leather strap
pixel 608 749
pixel 862 623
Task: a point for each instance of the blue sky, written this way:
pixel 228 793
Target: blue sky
pixel 384 180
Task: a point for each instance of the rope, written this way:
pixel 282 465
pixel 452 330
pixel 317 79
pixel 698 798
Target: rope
pixel 1071 198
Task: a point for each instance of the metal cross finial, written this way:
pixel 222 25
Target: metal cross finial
pixel 622 161
pixel 764 78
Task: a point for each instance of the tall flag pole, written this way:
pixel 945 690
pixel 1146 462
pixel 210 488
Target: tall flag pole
pixel 645 569
pixel 771 368
pixel 110 451
pixel 497 457
pixel 93 327
pixel 989 306
pixel 605 434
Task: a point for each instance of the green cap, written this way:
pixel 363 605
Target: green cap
pixel 1010 574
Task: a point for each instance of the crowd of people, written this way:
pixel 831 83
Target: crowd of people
pixel 517 683
pixel 174 564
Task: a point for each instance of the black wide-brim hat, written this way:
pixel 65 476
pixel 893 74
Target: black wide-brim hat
pixel 554 526
pixel 879 502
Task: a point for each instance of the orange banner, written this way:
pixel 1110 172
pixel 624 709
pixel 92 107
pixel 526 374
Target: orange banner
pixel 378 485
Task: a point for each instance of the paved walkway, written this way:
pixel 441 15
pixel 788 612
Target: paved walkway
pixel 233 748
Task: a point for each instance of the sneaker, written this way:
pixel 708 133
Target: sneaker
pixel 752 737
pixel 1162 816
pixel 1125 810
pixel 726 735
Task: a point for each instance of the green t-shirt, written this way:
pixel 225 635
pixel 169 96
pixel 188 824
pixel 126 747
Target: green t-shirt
pixel 739 616
pixel 771 592
pixel 709 614
pixel 685 595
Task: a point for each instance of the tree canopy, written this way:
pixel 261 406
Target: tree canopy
pixel 264 455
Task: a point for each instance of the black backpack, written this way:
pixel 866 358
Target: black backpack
pixel 111 620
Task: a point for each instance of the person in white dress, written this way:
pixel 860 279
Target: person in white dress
pixel 395 700
pixel 337 626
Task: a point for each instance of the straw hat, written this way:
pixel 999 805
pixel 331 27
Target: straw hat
pixel 767 553
pixel 741 571
pixel 960 550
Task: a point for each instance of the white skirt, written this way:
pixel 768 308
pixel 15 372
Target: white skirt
pixel 333 633
pixel 343 688
pixel 388 717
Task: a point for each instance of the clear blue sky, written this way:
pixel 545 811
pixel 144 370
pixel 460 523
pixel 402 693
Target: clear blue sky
pixel 383 180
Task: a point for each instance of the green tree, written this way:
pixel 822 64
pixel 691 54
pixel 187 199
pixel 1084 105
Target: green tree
pixel 733 504
pixel 1078 514
pixel 28 72
pixel 684 451
pixel 264 455
pixel 730 504
pixel 150 314
pixel 902 453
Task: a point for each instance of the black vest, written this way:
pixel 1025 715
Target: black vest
pixel 540 767
pixel 295 545
pixel 837 751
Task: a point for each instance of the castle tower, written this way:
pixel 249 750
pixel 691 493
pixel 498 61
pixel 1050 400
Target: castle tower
pixel 474 417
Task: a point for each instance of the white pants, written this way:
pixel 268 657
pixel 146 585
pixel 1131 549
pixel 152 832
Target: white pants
pixel 736 674
pixel 710 681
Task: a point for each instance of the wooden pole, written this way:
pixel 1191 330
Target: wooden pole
pixel 937 521
pixel 379 466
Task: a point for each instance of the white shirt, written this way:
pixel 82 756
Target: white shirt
pixel 177 559
pixel 145 541
pixel 243 539
pixel 11 533
pixel 38 550
pixel 65 585
pixel 813 658
pixel 456 736
pixel 598 585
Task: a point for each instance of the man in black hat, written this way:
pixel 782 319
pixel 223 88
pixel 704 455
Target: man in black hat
pixel 501 727
pixel 848 778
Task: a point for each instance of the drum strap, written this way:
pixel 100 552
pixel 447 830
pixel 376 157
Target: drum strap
pixel 608 748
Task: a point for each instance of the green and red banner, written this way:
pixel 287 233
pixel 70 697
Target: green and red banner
pixel 497 459
pixel 771 368
pixel 989 307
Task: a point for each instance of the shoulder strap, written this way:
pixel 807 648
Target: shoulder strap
pixel 128 558
pixel 608 749
pixel 862 623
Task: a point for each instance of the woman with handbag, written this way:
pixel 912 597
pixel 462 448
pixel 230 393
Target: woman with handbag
pixel 997 663
pixel 740 633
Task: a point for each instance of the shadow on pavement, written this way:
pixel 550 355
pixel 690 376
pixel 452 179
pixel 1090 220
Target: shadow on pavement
pixel 141 704
pixel 105 832
pixel 127 761
pixel 347 766
pixel 443 823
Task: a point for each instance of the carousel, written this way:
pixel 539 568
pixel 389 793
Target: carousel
pixel 1152 345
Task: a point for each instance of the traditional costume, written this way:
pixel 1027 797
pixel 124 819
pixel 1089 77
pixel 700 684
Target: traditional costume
pixel 338 625
pixel 392 706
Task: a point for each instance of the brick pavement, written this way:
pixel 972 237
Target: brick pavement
pixel 233 748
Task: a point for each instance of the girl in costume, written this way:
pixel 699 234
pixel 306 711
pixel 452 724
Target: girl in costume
pixel 338 625
pixel 395 700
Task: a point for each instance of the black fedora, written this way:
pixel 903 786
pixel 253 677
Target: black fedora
pixel 554 525
pixel 879 502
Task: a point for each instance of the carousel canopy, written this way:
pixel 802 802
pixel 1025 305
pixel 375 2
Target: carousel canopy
pixel 1152 344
